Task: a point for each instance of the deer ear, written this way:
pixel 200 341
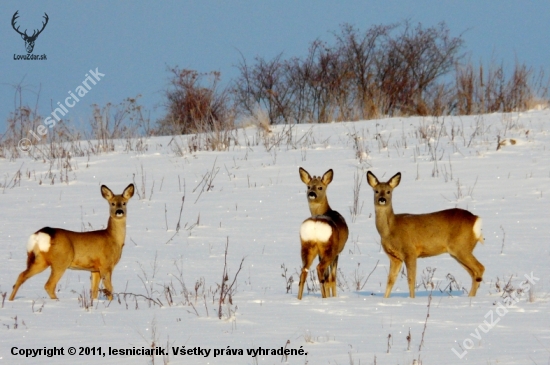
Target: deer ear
pixel 128 192
pixel 304 176
pixel 327 177
pixel 371 179
pixel 106 192
pixel 395 180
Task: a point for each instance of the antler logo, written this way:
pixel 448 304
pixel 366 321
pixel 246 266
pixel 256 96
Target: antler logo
pixel 29 40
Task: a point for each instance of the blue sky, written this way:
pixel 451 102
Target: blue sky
pixel 133 43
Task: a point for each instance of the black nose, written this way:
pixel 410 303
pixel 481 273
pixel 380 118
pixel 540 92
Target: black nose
pixel 119 212
pixel 382 200
pixel 312 195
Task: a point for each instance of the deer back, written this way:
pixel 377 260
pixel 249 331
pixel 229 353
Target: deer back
pixel 438 232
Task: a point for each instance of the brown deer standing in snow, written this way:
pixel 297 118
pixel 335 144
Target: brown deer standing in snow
pixel 95 251
pixel 324 234
pixel 405 237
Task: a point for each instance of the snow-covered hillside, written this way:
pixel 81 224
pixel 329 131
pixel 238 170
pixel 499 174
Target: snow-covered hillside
pixel 250 199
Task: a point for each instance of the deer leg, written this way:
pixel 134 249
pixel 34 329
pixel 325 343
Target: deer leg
pixel 35 265
pixel 395 266
pixel 51 284
pixel 309 251
pixel 410 263
pixel 323 273
pixel 473 267
pixel 95 278
pixel 332 278
pixel 106 276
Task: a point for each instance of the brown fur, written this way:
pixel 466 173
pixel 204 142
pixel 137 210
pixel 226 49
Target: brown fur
pixel 30 259
pixel 405 237
pixel 327 251
pixel 95 251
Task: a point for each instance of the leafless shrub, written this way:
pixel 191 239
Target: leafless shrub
pixel 398 69
pixel 427 278
pixel 85 300
pixel 123 121
pixel 15 324
pixel 264 85
pixel 410 64
pixel 356 209
pixel 510 292
pixel 452 284
pixel 360 145
pixel 63 139
pixel 207 181
pixel 358 282
pixel 22 125
pixel 149 300
pixel 360 51
pixel 227 289
pixel 480 90
pixel 196 104
pixel 387 70
pixel 288 280
pixel 39 309
pixel 328 82
pixel 426 322
pixel 216 136
pixel 503 238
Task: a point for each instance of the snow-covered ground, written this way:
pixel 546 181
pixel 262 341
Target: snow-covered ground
pixel 251 199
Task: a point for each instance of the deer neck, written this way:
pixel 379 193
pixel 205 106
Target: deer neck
pixel 319 208
pixel 116 228
pixel 385 220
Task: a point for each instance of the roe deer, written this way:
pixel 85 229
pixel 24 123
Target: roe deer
pixel 95 251
pixel 405 237
pixel 324 234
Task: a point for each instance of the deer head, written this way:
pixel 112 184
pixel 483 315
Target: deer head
pixel 117 203
pixel 29 40
pixel 317 190
pixel 382 191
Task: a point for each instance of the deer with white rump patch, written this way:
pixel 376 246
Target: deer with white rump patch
pixel 324 234
pixel 96 251
pixel 406 237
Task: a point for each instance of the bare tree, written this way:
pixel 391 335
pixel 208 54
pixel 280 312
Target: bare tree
pixel 195 102
pixel 412 62
pixel 360 52
pixel 264 85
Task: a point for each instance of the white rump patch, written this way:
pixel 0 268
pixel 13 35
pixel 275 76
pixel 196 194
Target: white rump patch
pixel 315 231
pixel 477 229
pixel 39 240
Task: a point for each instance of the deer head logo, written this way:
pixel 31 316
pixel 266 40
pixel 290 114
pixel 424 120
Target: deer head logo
pixel 29 40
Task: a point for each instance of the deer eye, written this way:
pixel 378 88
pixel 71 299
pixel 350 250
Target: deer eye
pixel 113 204
pixel 376 191
pixel 320 188
pixel 388 192
pixel 123 203
pixel 308 187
